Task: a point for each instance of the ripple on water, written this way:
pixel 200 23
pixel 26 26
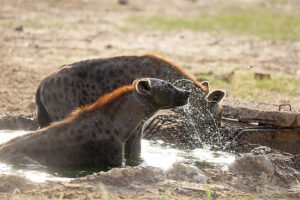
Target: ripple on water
pixel 159 154
pixel 27 171
pixel 154 153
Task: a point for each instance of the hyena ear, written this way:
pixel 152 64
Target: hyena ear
pixel 206 85
pixel 142 86
pixel 216 96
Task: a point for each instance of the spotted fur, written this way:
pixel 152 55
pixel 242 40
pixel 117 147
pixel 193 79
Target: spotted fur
pixel 83 82
pixel 95 135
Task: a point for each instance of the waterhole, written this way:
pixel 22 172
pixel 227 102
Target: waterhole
pixel 154 153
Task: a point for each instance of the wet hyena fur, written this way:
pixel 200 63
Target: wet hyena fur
pixel 215 99
pixel 83 82
pixel 180 130
pixel 95 134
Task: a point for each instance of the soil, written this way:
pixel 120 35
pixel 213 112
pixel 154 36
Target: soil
pixel 146 183
pixel 36 37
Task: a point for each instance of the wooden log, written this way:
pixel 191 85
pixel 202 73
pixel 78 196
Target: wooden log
pixel 263 113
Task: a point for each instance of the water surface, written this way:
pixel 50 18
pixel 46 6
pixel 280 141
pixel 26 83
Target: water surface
pixel 154 153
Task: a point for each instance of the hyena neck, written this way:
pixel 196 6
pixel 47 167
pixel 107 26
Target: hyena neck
pixel 126 113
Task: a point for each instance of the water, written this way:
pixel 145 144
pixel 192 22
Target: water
pixel 197 116
pixel 29 172
pixel 161 155
pixel 154 153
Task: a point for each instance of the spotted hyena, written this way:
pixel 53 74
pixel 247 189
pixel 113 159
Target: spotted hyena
pixel 95 134
pixel 83 82
pixel 215 99
pixel 176 129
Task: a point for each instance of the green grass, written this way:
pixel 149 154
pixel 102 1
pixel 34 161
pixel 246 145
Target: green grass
pixel 15 193
pixel 31 23
pixel 208 193
pixel 265 23
pixel 38 22
pixel 164 195
pixel 244 85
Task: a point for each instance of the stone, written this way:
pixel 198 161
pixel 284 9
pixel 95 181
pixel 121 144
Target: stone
pixel 287 140
pixel 18 122
pixel 264 113
pixel 183 171
pixel 252 164
pixel 267 161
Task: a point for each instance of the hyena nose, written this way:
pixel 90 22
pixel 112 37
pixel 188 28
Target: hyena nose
pixel 186 93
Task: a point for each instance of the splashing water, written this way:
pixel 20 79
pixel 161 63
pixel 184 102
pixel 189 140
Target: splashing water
pixel 154 153
pixel 161 155
pixel 198 121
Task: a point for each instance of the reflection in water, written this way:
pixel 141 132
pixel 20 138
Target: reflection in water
pixel 159 154
pixel 154 153
pixel 34 173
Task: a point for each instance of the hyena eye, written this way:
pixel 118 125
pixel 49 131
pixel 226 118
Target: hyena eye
pixel 146 86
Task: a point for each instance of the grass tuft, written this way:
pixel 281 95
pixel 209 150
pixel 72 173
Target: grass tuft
pixel 104 191
pixel 15 194
pixel 208 193
pixel 164 195
pixel 265 23
pixel 244 85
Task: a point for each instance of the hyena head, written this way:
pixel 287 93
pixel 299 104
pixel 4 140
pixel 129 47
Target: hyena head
pixel 160 94
pixel 214 104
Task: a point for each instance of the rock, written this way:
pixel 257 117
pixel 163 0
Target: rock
pixel 115 173
pixel 19 28
pixel 108 46
pixel 182 171
pixel 252 111
pixel 124 176
pixel 18 122
pixel 271 162
pixel 287 140
pixel 123 2
pixel 297 161
pixel 261 76
pixel 252 164
pixel 261 150
pixel 8 183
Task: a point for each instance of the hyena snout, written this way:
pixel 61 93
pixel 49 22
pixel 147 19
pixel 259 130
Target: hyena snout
pixel 173 98
pixel 162 93
pixel 181 98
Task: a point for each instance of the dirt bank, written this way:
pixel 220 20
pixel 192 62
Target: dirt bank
pixel 180 182
pixel 36 37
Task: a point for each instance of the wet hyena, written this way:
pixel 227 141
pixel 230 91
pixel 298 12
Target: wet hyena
pixel 83 82
pixel 95 134
pixel 186 128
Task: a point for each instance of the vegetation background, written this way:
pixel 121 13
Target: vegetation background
pixel 225 42
pixel 250 48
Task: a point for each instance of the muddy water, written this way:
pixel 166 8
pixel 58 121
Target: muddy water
pixel 154 153
pixel 34 173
